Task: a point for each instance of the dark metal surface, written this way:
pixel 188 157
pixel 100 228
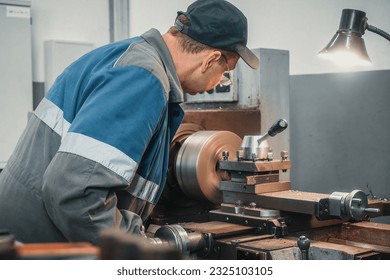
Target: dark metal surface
pixel 254 189
pixel 263 225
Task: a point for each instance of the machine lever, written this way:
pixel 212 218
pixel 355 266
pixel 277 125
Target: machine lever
pixel 304 245
pixel 276 128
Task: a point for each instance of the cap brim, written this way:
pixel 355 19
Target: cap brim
pixel 248 56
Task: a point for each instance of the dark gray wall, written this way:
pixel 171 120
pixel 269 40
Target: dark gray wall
pixel 340 132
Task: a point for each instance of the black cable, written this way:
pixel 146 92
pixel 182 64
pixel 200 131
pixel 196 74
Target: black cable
pixel 378 31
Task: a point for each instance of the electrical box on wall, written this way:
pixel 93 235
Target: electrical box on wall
pixel 218 94
pixel 266 88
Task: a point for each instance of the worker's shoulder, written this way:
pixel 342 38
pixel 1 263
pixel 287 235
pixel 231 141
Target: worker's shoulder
pixel 141 54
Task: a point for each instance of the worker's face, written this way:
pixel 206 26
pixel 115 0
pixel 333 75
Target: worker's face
pixel 211 72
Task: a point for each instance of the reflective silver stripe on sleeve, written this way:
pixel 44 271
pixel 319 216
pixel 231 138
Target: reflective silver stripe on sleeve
pixel 53 116
pixel 143 189
pixel 100 152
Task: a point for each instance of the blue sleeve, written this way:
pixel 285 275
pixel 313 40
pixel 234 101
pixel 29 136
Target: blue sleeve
pixel 108 135
pixel 123 109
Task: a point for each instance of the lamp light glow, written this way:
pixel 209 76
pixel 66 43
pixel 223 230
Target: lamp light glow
pixel 347 47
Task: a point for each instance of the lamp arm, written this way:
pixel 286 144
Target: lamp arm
pixel 378 31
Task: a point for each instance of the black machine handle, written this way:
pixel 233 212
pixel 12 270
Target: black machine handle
pixel 276 128
pixel 304 245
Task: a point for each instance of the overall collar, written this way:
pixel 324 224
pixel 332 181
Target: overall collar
pixel 154 38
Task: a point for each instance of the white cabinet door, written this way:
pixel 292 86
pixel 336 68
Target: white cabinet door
pixel 15 75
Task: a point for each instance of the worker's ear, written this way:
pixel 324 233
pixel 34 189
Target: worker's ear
pixel 210 58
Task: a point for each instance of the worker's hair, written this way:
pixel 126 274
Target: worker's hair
pixel 190 45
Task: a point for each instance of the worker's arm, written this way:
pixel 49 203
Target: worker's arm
pixel 101 154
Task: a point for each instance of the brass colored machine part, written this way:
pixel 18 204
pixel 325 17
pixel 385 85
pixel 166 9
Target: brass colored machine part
pixel 197 170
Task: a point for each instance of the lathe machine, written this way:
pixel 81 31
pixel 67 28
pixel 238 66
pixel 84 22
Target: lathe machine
pixel 228 202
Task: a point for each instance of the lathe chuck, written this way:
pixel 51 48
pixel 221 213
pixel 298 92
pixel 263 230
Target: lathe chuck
pixel 196 166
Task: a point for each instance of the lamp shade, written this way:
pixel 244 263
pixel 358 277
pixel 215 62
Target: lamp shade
pixel 347 45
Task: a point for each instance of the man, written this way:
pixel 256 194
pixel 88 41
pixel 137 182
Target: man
pixel 95 152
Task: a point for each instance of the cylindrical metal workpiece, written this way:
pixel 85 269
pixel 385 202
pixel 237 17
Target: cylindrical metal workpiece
pixel 196 166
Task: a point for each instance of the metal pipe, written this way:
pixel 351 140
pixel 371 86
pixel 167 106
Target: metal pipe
pixel 119 11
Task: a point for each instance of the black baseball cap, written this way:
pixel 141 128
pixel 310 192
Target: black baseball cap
pixel 218 24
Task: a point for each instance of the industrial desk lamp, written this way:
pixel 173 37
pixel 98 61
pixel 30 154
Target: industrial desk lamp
pixel 347 46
